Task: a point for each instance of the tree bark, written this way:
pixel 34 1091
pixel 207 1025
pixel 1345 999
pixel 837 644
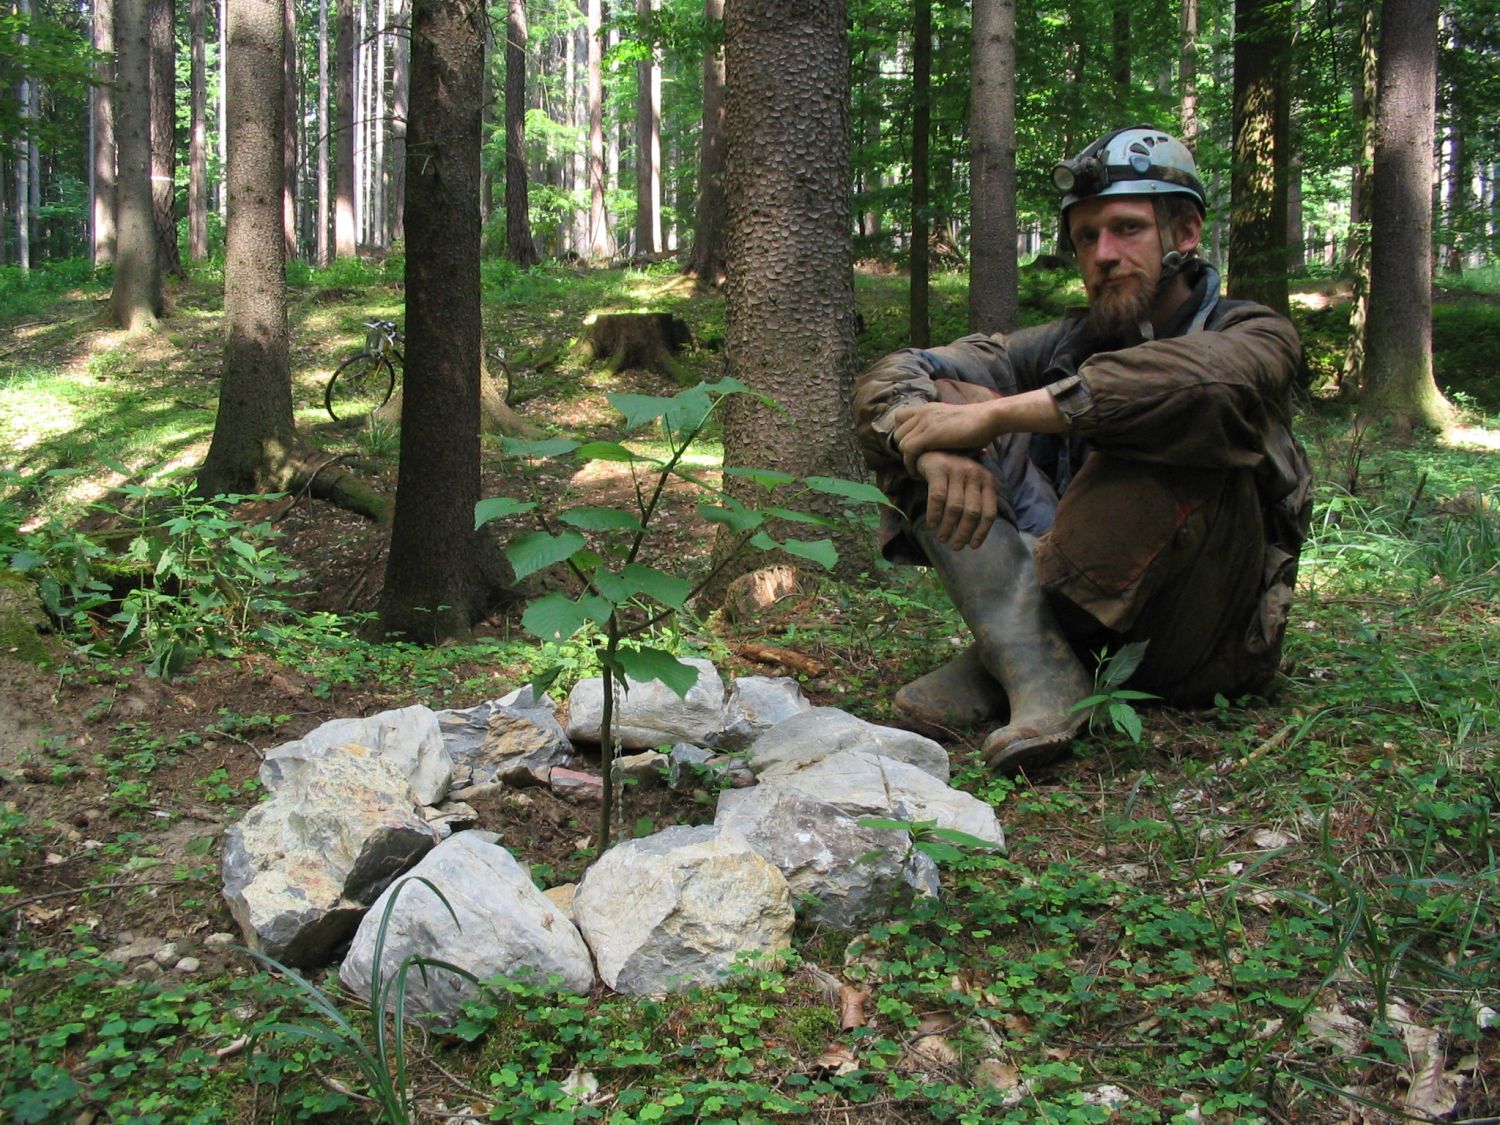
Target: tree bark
pixel 706 263
pixel 1188 75
pixel 599 241
pixel 198 141
pixel 1399 385
pixel 1257 231
pixel 520 247
pixel 434 585
pixel 400 95
pixel 164 133
pixel 25 157
pixel 344 241
pixel 921 124
pixel 994 299
pixel 790 289
pixel 1357 244
pixel 647 146
pixel 320 241
pixel 289 130
pixel 102 245
pixel 135 302
pixel 1120 47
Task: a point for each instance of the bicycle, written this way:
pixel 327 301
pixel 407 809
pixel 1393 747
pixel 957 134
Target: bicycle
pixel 364 382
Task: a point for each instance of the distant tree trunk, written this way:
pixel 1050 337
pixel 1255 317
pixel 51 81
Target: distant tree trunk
pixel 164 133
pixel 135 302
pixel 1257 231
pixel 1188 75
pixel 599 240
pixel 289 142
pixel 24 149
pixel 400 91
pixel 344 238
pixel 921 125
pixel 381 232
pixel 994 300
pixel 520 247
pixel 320 245
pixel 1458 171
pixel 103 203
pixel 1357 244
pixel 198 141
pixel 1120 46
pixel 434 588
pixel 223 141
pixel 790 289
pixel 647 146
pixel 706 262
pixel 1399 385
pixel 1296 237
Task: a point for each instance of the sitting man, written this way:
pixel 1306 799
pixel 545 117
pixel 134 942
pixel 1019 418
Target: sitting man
pixel 1125 474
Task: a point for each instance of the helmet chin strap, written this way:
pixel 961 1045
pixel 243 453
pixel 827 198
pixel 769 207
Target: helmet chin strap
pixel 1172 259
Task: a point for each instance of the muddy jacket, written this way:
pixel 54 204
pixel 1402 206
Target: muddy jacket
pixel 1213 391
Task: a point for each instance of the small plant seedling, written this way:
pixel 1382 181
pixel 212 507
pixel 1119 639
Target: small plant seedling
pixel 1111 701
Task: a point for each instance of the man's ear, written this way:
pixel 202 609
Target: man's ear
pixel 1187 231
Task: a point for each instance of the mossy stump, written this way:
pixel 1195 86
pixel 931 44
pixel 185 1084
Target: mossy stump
pixel 648 341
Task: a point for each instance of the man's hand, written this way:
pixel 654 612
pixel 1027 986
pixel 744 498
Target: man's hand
pixel 938 425
pixel 961 498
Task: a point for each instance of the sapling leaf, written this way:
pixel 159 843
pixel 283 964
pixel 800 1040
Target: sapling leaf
pixel 665 588
pixel 848 489
pixel 542 682
pixel 644 664
pixel 820 551
pixel 762 541
pixel 497 507
pixel 537 447
pixel 795 516
pixel 556 617
pixel 639 409
pixel 732 514
pixel 611 451
pixel 1124 719
pixel 600 519
pixel 937 851
pixel 1122 665
pixel 766 478
pixel 962 839
pixel 530 553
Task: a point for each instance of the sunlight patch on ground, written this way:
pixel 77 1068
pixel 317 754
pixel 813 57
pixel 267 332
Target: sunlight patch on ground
pixel 1472 437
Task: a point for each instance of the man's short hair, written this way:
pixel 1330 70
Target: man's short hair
pixel 1177 208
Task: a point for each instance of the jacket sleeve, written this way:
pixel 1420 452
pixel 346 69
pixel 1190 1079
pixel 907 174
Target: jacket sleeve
pixel 1199 400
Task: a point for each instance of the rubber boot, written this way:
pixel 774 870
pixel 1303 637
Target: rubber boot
pixel 958 695
pixel 1019 644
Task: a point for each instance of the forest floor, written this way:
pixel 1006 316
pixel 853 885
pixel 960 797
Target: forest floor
pixel 1268 910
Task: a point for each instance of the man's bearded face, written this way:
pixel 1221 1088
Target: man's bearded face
pixel 1119 255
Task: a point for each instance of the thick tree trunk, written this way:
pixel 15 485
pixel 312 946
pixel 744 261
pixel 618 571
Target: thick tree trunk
pixel 1257 231
pixel 790 289
pixel 1399 385
pixel 103 202
pixel 921 127
pixel 343 221
pixel 520 247
pixel 599 240
pixel 994 299
pixel 434 583
pixel 164 133
pixel 198 142
pixel 706 262
pixel 135 302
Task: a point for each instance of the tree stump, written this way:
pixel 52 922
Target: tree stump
pixel 644 340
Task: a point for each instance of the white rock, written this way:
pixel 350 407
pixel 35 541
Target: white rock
pixel 504 926
pixel 187 965
pixel 409 738
pixel 755 705
pixel 649 714
pixel 675 909
pixel 810 736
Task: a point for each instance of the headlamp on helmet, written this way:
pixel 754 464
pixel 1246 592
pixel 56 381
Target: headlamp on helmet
pixel 1140 160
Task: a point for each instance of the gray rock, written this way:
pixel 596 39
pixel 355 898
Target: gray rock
pixel 756 704
pixel 451 816
pixel 648 767
pixel 301 868
pixel 681 759
pixel 410 738
pixel 577 785
pixel 811 736
pixel 840 874
pixel 218 940
pixel 500 925
pixel 187 965
pixel 650 714
pixel 866 785
pixel 166 954
pixel 675 909
pixel 515 739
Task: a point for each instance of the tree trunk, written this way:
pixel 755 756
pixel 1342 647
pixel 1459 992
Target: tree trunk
pixel 434 586
pixel 400 89
pixel 320 243
pixel 378 187
pixel 1257 230
pixel 135 302
pixel 24 156
pixel 599 240
pixel 164 133
pixel 103 203
pixel 994 299
pixel 223 141
pixel 519 245
pixel 706 262
pixel 790 289
pixel 647 146
pixel 198 142
pixel 921 127
pixel 344 241
pixel 1119 58
pixel 1399 385
pixel 1188 75
pixel 289 130
pixel 1357 244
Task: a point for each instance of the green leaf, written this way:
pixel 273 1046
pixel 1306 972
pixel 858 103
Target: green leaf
pixel 762 541
pixel 766 478
pixel 542 681
pixel 1124 719
pixel 962 839
pixel 498 507
pixel 820 551
pixel 645 664
pixel 795 516
pixel 530 553
pixel 732 514
pixel 556 617
pixel 537 447
pixel 1122 665
pixel 639 409
pixel 600 519
pixel 848 489
pixel 665 588
pixel 609 451
pixel 938 852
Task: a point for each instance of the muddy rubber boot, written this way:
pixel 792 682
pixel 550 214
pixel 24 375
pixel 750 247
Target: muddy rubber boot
pixel 953 697
pixel 1019 644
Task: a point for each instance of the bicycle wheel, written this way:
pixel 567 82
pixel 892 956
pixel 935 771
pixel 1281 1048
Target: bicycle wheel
pixel 361 385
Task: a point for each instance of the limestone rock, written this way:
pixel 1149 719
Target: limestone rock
pixel 301 868
pixel 649 714
pixel 756 704
pixel 840 873
pixel 647 768
pixel 515 739
pixel 500 925
pixel 410 738
pixel 674 909
pixel 681 760
pixel 821 732
pixel 576 785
